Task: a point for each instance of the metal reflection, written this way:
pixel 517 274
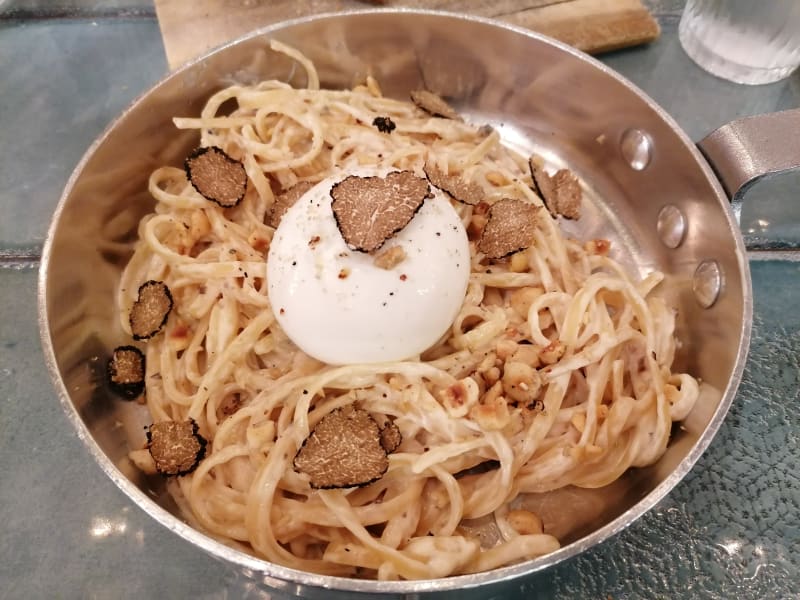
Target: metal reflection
pixel 104 527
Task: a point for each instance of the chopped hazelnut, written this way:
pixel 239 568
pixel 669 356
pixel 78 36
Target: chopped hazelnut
pixel 390 257
pixel 525 522
pixel 433 104
pixel 551 354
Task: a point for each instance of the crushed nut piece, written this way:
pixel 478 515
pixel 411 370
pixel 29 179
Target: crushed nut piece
pixel 519 262
pixel 552 353
pixel 599 247
pixel 390 257
pixel 491 414
pixel 521 382
pixel 593 451
pixel 479 469
pixel 433 104
pixel 527 354
pixel 459 397
pixel 496 178
pixel 475 227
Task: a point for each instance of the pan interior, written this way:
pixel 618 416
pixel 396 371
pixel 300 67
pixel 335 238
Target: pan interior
pixel 542 98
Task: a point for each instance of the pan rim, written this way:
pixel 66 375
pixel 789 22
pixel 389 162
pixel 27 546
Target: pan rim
pixel 279 577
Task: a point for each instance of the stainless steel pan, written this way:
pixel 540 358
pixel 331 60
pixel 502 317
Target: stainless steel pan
pixel 651 191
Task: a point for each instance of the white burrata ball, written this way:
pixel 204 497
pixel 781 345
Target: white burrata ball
pixel 336 305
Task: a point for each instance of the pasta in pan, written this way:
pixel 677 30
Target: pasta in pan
pixel 555 372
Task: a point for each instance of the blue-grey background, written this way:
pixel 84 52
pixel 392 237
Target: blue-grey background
pixel 731 529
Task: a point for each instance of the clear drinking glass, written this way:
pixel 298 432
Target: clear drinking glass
pixel 746 41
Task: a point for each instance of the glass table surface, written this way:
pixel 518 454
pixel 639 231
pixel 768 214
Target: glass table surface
pixel 731 529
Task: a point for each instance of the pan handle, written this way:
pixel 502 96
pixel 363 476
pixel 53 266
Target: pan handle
pixel 745 150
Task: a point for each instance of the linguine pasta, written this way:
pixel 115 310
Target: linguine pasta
pixel 557 367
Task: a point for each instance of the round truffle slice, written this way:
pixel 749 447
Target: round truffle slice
pixel 434 105
pixel 370 210
pixel 151 309
pixel 125 372
pixel 216 176
pixel 510 228
pixel 176 446
pixel 344 450
pixel 458 188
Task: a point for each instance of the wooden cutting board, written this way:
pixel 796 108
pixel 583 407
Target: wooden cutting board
pixel 191 27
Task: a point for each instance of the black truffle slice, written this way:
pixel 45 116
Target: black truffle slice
pixel 285 200
pixel 384 124
pixel 561 193
pixel 176 446
pixel 216 176
pixel 458 188
pixel 537 173
pixel 434 105
pixel 125 372
pixel 344 450
pixel 370 210
pixel 391 438
pixel 510 228
pixel 151 309
pixel 568 194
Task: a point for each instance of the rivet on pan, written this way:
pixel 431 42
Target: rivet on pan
pixel 671 225
pixel 637 148
pixel 707 283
